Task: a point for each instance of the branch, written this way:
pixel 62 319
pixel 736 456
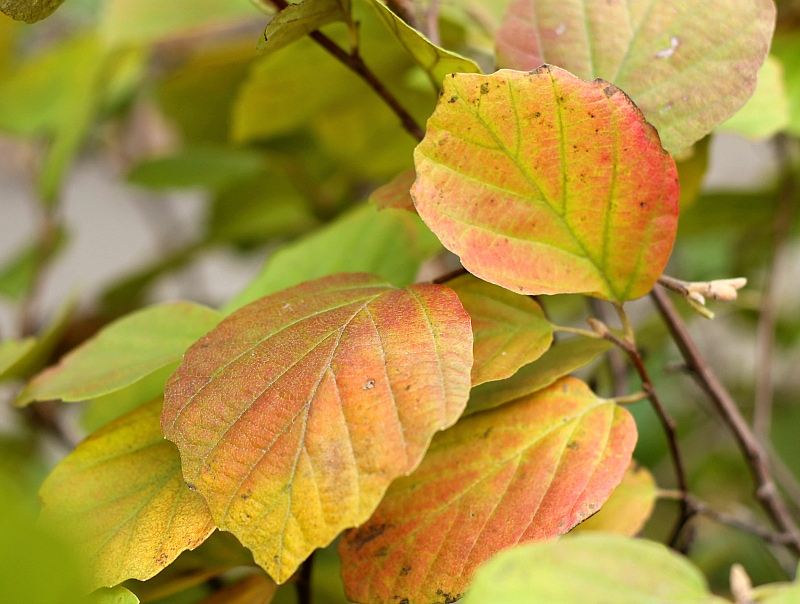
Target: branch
pixel 667 423
pixel 766 492
pixel 699 506
pixel 356 64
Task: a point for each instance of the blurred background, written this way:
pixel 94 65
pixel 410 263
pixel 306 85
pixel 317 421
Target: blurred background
pixel 147 153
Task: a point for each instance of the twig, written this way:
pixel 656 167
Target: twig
pixel 304 581
pixel 432 22
pixel 405 10
pixel 450 275
pixel 667 423
pixel 765 333
pixel 616 360
pixel 766 492
pixel 701 507
pixel 630 399
pixel 355 63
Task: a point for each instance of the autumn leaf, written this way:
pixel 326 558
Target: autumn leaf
pixel 295 413
pixel 629 506
pixel 526 471
pixel 591 569
pixel 300 19
pixel 124 352
pixel 395 194
pixel 121 496
pixel 561 360
pixel 688 64
pixel 543 183
pixel 29 11
pixel 509 330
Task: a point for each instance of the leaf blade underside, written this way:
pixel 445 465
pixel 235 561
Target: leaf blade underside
pixel 688 64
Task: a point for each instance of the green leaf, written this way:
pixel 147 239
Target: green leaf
pixel 688 64
pixel 297 20
pixel 125 22
pixel 691 172
pixel 12 351
pixel 121 497
pixel 561 360
pixel 777 593
pixel 210 167
pixel 100 411
pixel 47 96
pixel 522 472
pixel 37 564
pixel 29 11
pixel 123 353
pixel 294 414
pixel 20 272
pixel 35 357
pixel 767 111
pixel 591 569
pixel 786 48
pixel 509 330
pixel 215 76
pixel 544 183
pixel 264 207
pixel 391 243
pixel 434 60
pixel 113 595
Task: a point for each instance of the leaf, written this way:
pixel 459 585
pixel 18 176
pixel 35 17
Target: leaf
pixel 688 64
pixel 392 244
pixel 786 47
pixel 297 20
pixel 126 22
pixel 294 414
pixel 121 495
pixel 210 167
pixel 123 352
pixel 591 569
pixel 114 595
pixel 508 330
pixel 35 357
pixel 692 171
pixel 104 409
pixel 264 207
pixel 522 472
pixel 19 274
pixel 36 564
pixel 29 11
pixel 777 593
pixel 767 111
pixel 396 194
pixel 218 554
pixel 545 184
pixel 47 96
pixel 629 506
pixel 561 360
pixel 253 589
pixel 214 75
pixel 434 60
pixel 12 351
